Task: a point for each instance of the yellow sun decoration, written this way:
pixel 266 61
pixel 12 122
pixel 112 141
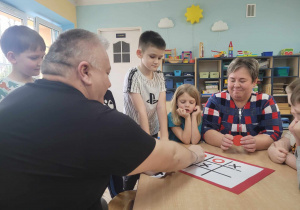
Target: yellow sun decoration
pixel 193 14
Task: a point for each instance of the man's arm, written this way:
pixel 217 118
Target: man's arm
pixel 170 156
pixel 162 116
pixel 141 109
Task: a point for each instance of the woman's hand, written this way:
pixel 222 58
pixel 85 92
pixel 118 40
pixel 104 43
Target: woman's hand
pixel 182 113
pixel 249 143
pixel 197 110
pixel 226 142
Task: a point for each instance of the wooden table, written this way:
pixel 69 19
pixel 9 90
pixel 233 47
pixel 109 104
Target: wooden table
pixel 279 190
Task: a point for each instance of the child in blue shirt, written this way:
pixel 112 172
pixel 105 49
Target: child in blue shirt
pixel 184 120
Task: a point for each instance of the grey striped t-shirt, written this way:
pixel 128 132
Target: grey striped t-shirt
pixel 136 82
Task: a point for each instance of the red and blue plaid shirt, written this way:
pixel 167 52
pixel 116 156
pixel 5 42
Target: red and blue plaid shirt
pixel 259 116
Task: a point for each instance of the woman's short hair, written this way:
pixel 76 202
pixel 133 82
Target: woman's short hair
pixel 250 64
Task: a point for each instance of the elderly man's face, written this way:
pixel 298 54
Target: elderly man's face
pixel 101 80
pixel 240 85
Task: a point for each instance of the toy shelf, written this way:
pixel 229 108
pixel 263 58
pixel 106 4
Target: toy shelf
pixel 174 81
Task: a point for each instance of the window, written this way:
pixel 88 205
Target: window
pixel 121 51
pixel 48 31
pixel 8 17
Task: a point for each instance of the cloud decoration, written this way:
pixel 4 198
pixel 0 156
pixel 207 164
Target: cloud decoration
pixel 165 23
pixel 219 26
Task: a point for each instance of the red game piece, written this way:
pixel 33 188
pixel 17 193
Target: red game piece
pixel 237 140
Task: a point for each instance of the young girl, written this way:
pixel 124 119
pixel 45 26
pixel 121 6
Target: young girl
pixel 283 150
pixel 185 117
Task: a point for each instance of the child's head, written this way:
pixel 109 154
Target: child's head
pixel 151 39
pixel 186 97
pixel 295 102
pixel 151 50
pixel 290 88
pixel 24 48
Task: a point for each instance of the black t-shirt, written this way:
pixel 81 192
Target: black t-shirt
pixel 58 149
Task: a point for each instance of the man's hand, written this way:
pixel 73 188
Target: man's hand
pixel 198 151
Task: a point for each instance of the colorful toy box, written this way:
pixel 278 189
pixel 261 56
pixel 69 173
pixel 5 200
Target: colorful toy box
pixel 287 51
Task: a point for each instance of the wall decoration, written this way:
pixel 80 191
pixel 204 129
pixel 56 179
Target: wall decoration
pixel 219 26
pixel 193 14
pixel 165 23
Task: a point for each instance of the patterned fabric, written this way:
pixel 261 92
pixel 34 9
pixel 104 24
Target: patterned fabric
pixel 7 85
pixel 259 116
pixel 172 135
pixel 298 163
pixel 149 89
pixel 292 139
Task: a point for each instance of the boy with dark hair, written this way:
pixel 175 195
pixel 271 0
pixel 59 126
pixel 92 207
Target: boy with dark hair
pixel 145 91
pixel 24 48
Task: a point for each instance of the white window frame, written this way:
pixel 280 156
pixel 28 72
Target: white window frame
pixel 14 12
pixel 39 21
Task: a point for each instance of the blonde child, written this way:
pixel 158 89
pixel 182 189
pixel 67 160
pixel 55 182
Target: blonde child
pixel 294 127
pixel 24 48
pixel 184 120
pixel 282 151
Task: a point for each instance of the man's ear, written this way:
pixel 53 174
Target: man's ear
pixel 139 53
pixel 11 57
pixel 83 70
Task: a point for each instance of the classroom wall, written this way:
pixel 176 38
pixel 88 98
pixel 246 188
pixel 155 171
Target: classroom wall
pixel 61 7
pixel 58 12
pixel 276 25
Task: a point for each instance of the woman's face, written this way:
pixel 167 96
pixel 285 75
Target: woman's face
pixel 240 85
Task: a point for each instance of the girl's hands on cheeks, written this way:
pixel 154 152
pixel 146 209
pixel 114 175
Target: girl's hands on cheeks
pixel 182 113
pixel 249 143
pixel 295 130
pixel 197 111
pixel 227 142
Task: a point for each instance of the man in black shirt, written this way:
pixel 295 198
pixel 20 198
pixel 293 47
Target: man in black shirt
pixel 59 144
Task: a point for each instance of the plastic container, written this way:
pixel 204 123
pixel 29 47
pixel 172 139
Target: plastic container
pixel 169 95
pixel 169 83
pixel 214 74
pixel 188 74
pixel 168 74
pixel 178 84
pixel 177 73
pixel 267 53
pixel 282 71
pixel 204 74
pixel 189 81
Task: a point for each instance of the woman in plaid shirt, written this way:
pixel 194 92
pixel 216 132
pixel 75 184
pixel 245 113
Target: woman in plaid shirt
pixel 240 111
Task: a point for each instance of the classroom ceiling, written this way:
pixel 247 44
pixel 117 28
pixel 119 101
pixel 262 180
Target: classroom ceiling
pixel 97 2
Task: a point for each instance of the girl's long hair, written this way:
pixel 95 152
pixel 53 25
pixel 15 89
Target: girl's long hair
pixel 193 92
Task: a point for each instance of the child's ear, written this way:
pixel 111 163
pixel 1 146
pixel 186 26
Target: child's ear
pixel 11 57
pixel 139 53
pixel 84 72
